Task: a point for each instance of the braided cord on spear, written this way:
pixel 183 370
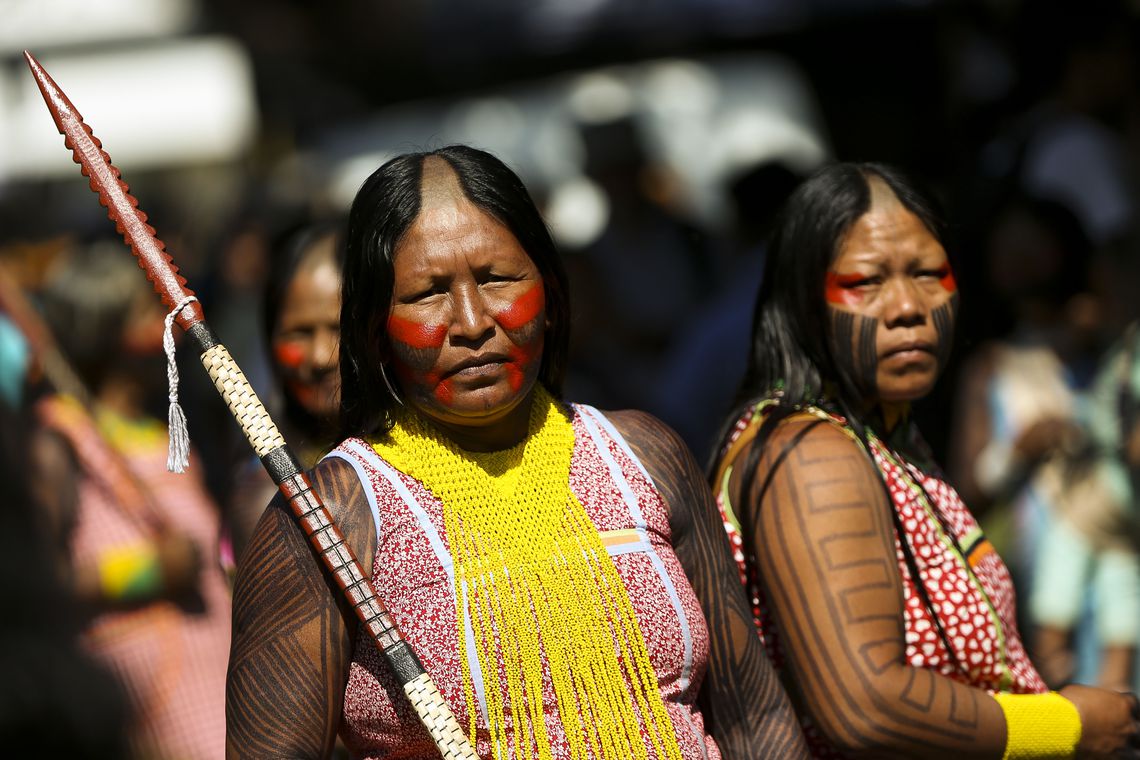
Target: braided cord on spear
pixel 310 512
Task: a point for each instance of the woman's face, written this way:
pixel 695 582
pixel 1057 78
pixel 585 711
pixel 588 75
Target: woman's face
pixel 468 317
pixel 892 301
pixel 306 342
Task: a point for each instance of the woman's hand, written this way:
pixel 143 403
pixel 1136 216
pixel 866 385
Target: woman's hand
pixel 1110 722
pixel 1045 436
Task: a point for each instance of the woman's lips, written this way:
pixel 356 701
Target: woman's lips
pixel 911 351
pixel 478 366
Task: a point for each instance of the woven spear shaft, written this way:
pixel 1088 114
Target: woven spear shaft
pixel 310 512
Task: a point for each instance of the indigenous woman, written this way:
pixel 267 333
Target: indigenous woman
pixel 877 595
pixel 561 572
pixel 301 321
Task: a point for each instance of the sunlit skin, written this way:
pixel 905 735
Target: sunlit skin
pixel 467 319
pixel 306 341
pixel 893 300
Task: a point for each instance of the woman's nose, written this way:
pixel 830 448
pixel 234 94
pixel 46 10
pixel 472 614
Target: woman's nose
pixel 904 303
pixel 326 348
pixel 471 318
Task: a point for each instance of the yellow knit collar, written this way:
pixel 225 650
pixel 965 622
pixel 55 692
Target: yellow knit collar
pixel 536 583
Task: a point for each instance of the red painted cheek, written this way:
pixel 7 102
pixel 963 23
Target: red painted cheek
pixel 289 355
pixel 523 310
pixel 946 278
pixel 415 334
pixel 515 374
pixel 521 359
pixel 444 393
pixel 838 289
pixel 305 394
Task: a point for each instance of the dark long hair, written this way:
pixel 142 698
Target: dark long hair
pixel 385 207
pixel 289 248
pixel 790 358
pixel 790 350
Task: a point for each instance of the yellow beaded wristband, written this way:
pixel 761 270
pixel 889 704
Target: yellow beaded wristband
pixel 130 572
pixel 1039 726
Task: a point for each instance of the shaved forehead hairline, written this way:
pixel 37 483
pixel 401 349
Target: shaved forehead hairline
pixel 883 198
pixel 882 195
pixel 439 184
pixel 318 253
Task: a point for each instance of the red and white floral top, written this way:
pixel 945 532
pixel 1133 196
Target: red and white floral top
pixel 968 585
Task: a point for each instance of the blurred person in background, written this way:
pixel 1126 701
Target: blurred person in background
pixel 646 241
pixel 705 364
pixel 891 617
pixel 55 700
pixel 1086 602
pixel 148 572
pixel 1072 141
pixel 1019 418
pixel 560 572
pixel 300 319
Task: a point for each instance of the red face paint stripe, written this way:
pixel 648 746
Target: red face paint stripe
pixel 303 392
pixel 946 277
pixel 289 355
pixel 837 288
pixel 444 393
pixel 528 306
pixel 519 359
pixel 415 334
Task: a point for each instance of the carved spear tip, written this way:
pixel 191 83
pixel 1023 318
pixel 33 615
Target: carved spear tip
pixel 57 102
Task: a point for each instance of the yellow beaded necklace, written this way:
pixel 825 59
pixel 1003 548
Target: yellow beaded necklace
pixel 538 582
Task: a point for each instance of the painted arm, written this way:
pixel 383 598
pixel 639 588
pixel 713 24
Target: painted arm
pixel 292 633
pixel 746 709
pixel 825 543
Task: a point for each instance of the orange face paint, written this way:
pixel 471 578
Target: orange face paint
pixel 305 393
pixel 417 346
pixel 415 334
pixel 289 355
pixel 946 278
pixel 444 393
pixel 839 289
pixel 521 358
pixel 523 310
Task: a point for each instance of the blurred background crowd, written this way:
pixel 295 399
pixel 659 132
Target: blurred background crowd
pixel 660 138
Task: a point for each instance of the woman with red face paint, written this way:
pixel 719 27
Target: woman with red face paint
pixel 560 572
pixel 301 322
pixel 874 589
